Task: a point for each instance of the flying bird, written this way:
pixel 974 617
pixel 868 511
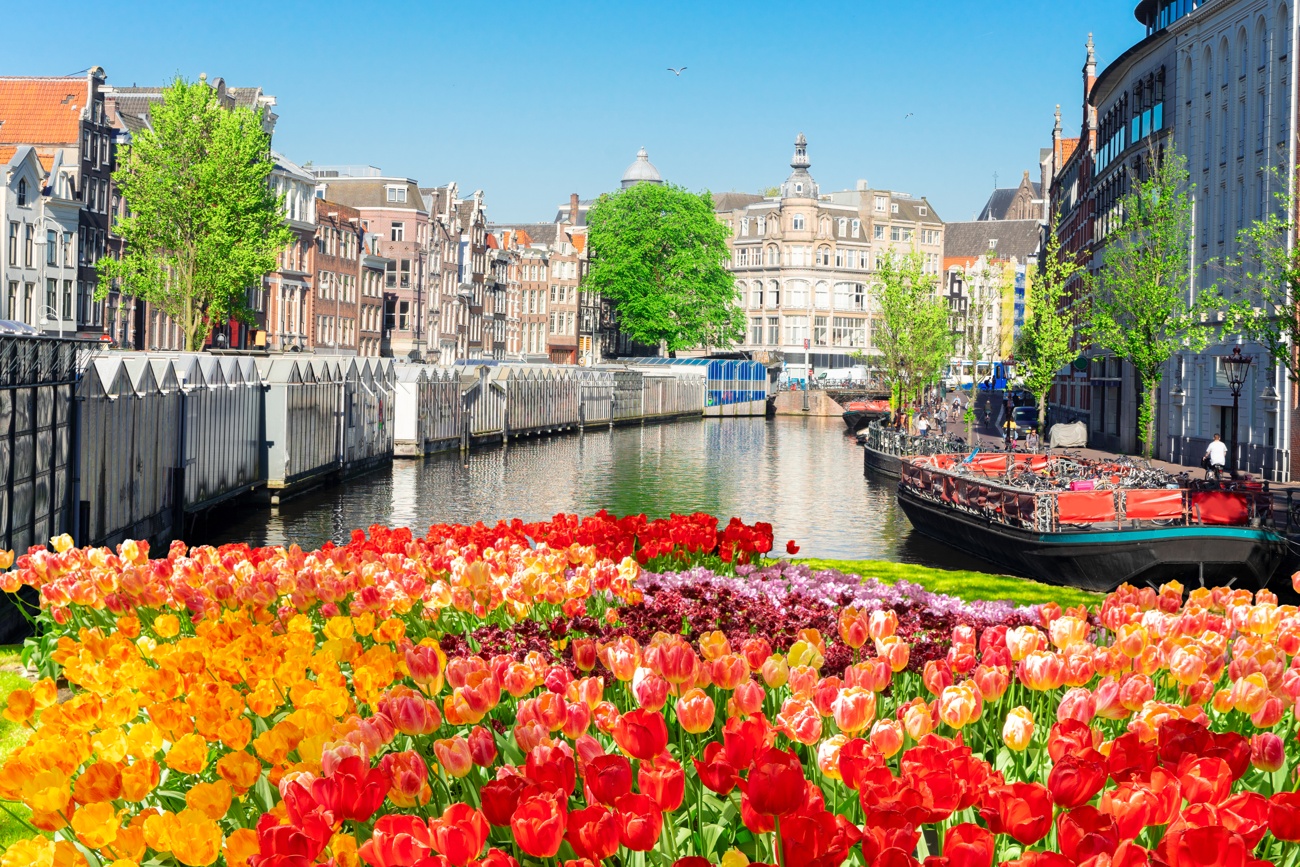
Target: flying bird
pixel 676 70
pixel 906 116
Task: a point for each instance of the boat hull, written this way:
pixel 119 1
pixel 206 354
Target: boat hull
pixel 881 464
pixel 1101 560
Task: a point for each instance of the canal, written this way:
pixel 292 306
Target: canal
pixel 803 475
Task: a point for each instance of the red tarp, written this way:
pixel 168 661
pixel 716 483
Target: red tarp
pixel 1085 507
pixel 1220 507
pixel 1153 505
pixel 989 465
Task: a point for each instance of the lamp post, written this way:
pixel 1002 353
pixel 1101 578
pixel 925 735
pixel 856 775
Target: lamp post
pixel 45 308
pixel 1235 366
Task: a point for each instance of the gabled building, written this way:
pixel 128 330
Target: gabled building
pixel 38 232
pixel 284 305
pixel 989 266
pixel 1025 202
pixel 64 121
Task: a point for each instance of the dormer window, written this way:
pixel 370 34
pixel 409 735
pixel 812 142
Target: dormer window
pixel 893 207
pixel 923 211
pixel 798 188
pixel 397 194
pixel 22 192
pixel 993 243
pixel 798 222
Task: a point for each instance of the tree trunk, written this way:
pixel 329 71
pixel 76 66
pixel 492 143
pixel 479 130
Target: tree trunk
pixel 1147 413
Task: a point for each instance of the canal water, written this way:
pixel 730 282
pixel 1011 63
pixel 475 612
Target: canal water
pixel 802 475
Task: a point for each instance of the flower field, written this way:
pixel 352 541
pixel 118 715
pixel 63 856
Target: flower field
pixel 623 691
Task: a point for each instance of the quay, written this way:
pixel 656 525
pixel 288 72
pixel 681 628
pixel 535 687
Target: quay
pixel 107 446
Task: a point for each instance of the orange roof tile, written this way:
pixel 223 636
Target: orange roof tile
pixel 492 242
pixel 7 153
pixel 1068 146
pixel 524 238
pixel 39 111
pixel 579 242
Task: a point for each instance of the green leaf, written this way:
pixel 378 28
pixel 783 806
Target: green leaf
pixel 713 834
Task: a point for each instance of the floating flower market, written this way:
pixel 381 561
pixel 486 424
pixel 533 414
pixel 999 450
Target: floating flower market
pixel 635 693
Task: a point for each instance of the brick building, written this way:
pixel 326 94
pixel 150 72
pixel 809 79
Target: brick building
pixel 336 264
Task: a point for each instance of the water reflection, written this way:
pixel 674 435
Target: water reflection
pixel 801 474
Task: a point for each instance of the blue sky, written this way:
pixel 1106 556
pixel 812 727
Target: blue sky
pixel 532 101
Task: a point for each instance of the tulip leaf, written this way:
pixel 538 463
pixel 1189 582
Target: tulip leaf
pixel 1003 761
pixel 712 834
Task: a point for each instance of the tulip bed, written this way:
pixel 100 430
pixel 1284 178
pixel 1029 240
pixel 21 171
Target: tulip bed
pixel 606 691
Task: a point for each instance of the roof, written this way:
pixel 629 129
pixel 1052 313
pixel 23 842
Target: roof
pixel 1000 201
pixel 289 167
pixel 1068 147
pixel 641 171
pixel 1015 238
pixel 41 111
pixel 7 153
pixel 734 201
pixel 529 233
pixel 372 193
pixel 910 209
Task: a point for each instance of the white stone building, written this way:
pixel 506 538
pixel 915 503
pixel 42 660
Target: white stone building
pixel 38 244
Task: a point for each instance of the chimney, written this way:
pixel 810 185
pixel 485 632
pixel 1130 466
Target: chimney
pixel 573 209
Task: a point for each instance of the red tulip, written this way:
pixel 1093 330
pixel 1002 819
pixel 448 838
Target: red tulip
pixel 895 857
pixel 354 791
pixel 1132 806
pixel 538 824
pixel 551 768
pixel 1206 780
pixel 715 772
pixel 584 653
pixel 1245 813
pixel 791 548
pixel 397 841
pixel 499 799
pixel 968 845
pixel 1267 752
pixel 776 783
pixel 459 834
pixel 641 734
pixel 1040 859
pixel 496 858
pixel 639 822
pixel 1212 846
pixel 1284 816
pixel 1130 759
pixel 745 738
pixel 593 833
pixel 482 747
pixel 757 823
pixel 1084 832
pixel 692 861
pixel 1020 810
pixel 859 761
pixel 1076 779
pixel 664 782
pixel 1071 736
pixel 609 778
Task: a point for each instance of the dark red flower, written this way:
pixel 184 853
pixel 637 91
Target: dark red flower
pixel 499 799
pixel 745 737
pixel 968 845
pixel 609 778
pixel 791 548
pixel 1084 832
pixel 1284 816
pixel 1132 759
pixel 353 791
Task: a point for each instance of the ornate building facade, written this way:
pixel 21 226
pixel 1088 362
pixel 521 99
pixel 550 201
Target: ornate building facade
pixel 804 262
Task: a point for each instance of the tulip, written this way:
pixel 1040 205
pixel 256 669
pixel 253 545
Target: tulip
pixel 695 711
pixel 608 778
pixel 459 834
pixel 641 734
pixel 1085 832
pixel 639 822
pixel 716 773
pixel 960 705
pixel 482 747
pixel 650 689
pixel 828 755
pixel 775 671
pixel 408 776
pixel 854 709
pixel 426 665
pixel 664 782
pixel 1022 641
pixel 854 627
pixel 800 721
pixel 776 784
pixel 743 739
pixel 1206 780
pixel 714 645
pixel 679 663
pixel 584 653
pixel 1079 704
pixel 992 682
pixel 1135 690
pixel 500 797
pixel 756 651
pixel 1075 779
pixel 593 833
pixel 730 671
pixel 968 845
pixel 882 624
pixel 1249 693
pixel 539 824
pixel 918 719
pixel 1267 752
pixel 1284 816
pixel 552 769
pixel 937 676
pixel 748 698
pixel 1020 810
pixel 396 840
pixel 1041 671
pixel 802 681
pixel 454 755
pixel 1067 631
pixel 1018 730
pixel 887 737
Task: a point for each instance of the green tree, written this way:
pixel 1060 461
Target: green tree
pixel 204 225
pixel 1267 310
pixel 661 255
pixel 1047 338
pixel 1139 307
pixel 912 336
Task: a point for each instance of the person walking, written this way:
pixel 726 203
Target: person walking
pixel 923 426
pixel 1031 441
pixel 1217 453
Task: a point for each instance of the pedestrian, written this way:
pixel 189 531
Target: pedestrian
pixel 923 426
pixel 1031 441
pixel 1217 453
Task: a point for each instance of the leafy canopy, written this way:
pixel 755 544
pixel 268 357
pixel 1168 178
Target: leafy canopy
pixel 912 336
pixel 204 225
pixel 1270 275
pixel 1047 338
pixel 1140 309
pixel 661 255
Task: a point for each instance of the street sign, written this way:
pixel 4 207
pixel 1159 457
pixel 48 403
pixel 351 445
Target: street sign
pixel 805 343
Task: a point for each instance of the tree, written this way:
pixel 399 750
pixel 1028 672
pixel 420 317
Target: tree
pixel 1047 337
pixel 1139 308
pixel 912 337
pixel 204 225
pixel 661 255
pixel 1269 265
pixel 986 283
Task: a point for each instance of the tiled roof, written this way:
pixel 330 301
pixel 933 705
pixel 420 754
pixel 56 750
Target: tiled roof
pixel 7 153
pixel 734 201
pixel 41 111
pixel 530 233
pixel 579 240
pixel 1018 238
pixel 1068 146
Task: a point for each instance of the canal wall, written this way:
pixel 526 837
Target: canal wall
pixel 819 403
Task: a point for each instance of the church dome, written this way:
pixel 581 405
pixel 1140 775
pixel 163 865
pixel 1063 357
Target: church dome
pixel 641 172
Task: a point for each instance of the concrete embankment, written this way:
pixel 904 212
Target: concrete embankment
pixel 819 403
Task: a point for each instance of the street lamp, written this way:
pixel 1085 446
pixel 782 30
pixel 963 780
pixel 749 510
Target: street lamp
pixel 1235 366
pixel 45 308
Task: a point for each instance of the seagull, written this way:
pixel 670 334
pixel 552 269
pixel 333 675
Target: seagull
pixel 906 116
pixel 676 70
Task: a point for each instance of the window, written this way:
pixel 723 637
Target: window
pixel 824 227
pixel 819 331
pixel 397 194
pixel 823 256
pixel 404 315
pixel 13 243
pixel 773 256
pixel 893 207
pixel 880 203
pixel 796 330
pixel 879 233
pixel 923 211
pixel 11 312
pixel 28 243
pixel 857 228
pixel 774 330
pixel 842 296
pixel 1261 126
pixel 823 296
pixel 744 227
pixel 755 327
pixel 796 293
pixel 798 188
pixel 390 274
pixel 399 232
pixel 849 332
pixel 22 192
pixel 51 247
pixel 774 295
pixel 842 226
pixel 405 281
pixel 756 295
pixel 797 223
pixel 67 299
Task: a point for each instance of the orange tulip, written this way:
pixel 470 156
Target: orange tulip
pixel 695 711
pixel 854 709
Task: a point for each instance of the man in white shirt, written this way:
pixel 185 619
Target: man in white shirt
pixel 1217 452
pixel 923 426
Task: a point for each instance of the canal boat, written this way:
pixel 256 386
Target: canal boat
pixel 883 448
pixel 859 413
pixel 1017 512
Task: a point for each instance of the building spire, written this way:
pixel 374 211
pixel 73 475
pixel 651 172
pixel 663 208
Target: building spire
pixel 800 160
pixel 1056 131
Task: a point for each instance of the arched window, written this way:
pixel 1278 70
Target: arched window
pixel 822 298
pixel 756 294
pixel 843 226
pixel 823 256
pixel 797 223
pixel 773 255
pixel 825 226
pixel 22 192
pixel 1243 51
pixel 762 226
pixel 774 294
